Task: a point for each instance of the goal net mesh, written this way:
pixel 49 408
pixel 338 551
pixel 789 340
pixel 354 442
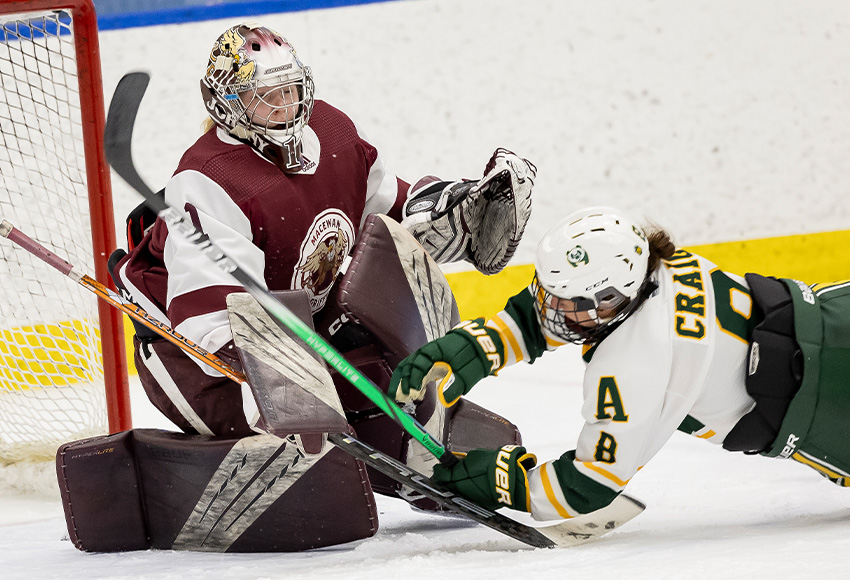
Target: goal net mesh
pixel 51 369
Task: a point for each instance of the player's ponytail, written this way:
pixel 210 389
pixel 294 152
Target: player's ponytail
pixel 661 247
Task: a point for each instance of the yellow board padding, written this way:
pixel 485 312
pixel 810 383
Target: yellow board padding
pixel 821 257
pixel 47 355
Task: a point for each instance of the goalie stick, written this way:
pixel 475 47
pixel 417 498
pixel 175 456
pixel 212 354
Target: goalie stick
pixel 117 143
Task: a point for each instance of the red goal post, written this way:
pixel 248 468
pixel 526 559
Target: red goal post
pixel 54 172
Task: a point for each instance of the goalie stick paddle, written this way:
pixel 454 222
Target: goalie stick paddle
pixel 571 532
pixel 118 147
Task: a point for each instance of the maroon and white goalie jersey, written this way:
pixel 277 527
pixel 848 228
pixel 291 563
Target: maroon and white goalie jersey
pixel 290 230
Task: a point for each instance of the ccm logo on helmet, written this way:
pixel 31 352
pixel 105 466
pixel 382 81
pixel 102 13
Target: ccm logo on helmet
pixel 596 285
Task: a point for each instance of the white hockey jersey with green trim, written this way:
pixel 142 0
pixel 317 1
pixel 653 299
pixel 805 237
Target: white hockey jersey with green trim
pixel 679 362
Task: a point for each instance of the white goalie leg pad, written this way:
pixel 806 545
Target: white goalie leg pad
pixel 500 211
pixel 438 214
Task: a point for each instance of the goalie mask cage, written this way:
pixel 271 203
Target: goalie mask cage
pixel 63 373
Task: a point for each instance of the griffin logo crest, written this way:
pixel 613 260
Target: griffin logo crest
pixel 228 56
pixel 327 244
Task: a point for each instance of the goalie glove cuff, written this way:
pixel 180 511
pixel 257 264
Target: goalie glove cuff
pixel 438 215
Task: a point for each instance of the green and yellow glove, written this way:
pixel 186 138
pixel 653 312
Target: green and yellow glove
pixel 465 355
pixel 490 478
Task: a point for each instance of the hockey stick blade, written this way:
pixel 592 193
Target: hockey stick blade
pixel 118 143
pixel 564 534
pixel 118 133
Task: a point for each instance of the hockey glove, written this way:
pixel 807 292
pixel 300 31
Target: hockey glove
pixel 501 209
pixel 490 478
pixel 465 355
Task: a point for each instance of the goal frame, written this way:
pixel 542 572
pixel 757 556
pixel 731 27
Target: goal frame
pixel 90 85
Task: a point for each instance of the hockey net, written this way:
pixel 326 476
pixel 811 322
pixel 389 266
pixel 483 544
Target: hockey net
pixel 62 368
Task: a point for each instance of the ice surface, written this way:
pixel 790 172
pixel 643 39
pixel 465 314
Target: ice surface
pixel 710 514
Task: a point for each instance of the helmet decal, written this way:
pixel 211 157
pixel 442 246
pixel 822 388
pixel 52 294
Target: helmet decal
pixel 228 55
pixel 577 256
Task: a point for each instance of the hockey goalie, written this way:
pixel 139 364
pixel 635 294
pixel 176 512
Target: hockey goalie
pixel 290 188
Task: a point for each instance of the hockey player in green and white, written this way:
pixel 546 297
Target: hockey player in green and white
pixel 671 342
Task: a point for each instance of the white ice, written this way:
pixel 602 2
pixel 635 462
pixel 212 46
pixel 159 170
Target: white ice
pixel 711 515
pixel 721 119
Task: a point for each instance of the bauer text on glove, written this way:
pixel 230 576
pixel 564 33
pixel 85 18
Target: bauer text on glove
pixel 490 478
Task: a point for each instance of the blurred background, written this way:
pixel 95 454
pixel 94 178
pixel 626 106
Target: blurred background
pixel 724 122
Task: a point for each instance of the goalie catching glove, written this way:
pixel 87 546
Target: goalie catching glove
pixel 479 221
pixel 490 478
pixel 465 355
